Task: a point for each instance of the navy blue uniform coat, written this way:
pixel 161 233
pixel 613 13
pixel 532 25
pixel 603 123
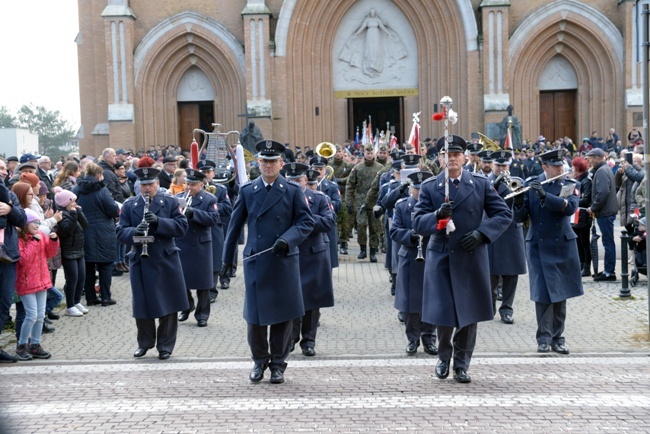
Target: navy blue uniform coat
pixel 331 189
pixel 196 244
pixel 457 289
pixel 315 269
pixel 410 273
pixel 219 230
pixel 507 253
pixel 157 282
pixel 273 289
pixel 551 248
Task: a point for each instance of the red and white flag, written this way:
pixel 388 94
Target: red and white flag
pixel 393 142
pixel 414 137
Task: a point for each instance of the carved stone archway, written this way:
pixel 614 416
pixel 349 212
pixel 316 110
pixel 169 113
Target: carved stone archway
pixel 164 55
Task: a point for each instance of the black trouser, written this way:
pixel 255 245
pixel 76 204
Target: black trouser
pixel 163 338
pixel 75 276
pixel 508 290
pixel 464 341
pixel 417 329
pixel 214 292
pixel 279 340
pixel 105 270
pixel 202 305
pixel 550 322
pixel 584 247
pixel 307 326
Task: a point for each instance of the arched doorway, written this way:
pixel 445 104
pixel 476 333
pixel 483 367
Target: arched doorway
pixel 558 90
pixel 195 99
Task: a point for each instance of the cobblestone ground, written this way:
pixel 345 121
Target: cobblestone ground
pixel 360 381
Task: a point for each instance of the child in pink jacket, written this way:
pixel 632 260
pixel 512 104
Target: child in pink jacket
pixel 32 282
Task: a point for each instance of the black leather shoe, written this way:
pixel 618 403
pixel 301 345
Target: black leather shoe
pixel 202 323
pixel 109 302
pixel 560 348
pixel 392 290
pixel 233 273
pixel 507 319
pixel 605 278
pixel 140 352
pixel 164 355
pixel 431 349
pixel 499 296
pixel 225 284
pixel 543 348
pixel 344 249
pixel 362 254
pixel 400 316
pixel 213 297
pixel 48 328
pixel 412 348
pixel 292 347
pixel 277 376
pixel 257 373
pixel 586 272
pixel 373 255
pixel 52 315
pixel 93 302
pixel 309 352
pixel 183 316
pixel 442 369
pixel 461 376
pixel 46 320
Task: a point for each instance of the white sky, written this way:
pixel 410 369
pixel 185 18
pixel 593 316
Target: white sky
pixel 39 56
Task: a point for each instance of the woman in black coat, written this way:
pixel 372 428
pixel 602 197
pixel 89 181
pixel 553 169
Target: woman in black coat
pixel 99 238
pixel 583 226
pixel 71 234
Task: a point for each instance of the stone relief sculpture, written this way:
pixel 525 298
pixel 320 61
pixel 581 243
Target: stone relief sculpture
pixel 374 47
pixel 516 129
pixel 249 136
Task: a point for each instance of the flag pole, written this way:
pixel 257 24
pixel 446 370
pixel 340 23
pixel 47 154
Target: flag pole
pixel 446 104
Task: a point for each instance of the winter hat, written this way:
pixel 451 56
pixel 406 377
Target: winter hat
pixel 30 178
pixel 63 197
pixel 42 188
pixel 31 216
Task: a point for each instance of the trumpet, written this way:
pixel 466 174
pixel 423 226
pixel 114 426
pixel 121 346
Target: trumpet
pixel 188 202
pixel 146 238
pixel 513 183
pixel 525 189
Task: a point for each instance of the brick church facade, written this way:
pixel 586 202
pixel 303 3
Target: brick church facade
pixel 308 71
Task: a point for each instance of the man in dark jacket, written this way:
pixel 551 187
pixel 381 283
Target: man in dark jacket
pixel 13 216
pixel 111 180
pixel 43 172
pixel 604 206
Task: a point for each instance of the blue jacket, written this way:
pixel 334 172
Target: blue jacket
pixel 273 288
pixel 100 210
pixel 331 190
pixel 15 219
pixel 219 230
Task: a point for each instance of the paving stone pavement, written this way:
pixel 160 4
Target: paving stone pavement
pixel 360 381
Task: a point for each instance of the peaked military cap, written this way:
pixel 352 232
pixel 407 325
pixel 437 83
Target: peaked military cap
pixel 294 170
pixel 396 164
pixel 553 158
pixel 396 154
pixel 169 160
pixel 207 165
pixel 147 175
pixel 474 148
pixel 194 175
pixel 486 155
pixel 417 178
pixel 502 156
pixel 411 159
pixel 312 176
pixel 456 143
pixel 270 149
pixel 318 161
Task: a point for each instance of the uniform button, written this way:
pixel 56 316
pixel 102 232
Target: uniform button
pixel 259 236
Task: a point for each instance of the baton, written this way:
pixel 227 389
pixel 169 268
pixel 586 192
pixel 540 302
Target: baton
pixel 259 253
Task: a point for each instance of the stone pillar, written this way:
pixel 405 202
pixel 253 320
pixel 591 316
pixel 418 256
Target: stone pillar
pixel 257 31
pixel 495 59
pixel 119 23
pixel 633 74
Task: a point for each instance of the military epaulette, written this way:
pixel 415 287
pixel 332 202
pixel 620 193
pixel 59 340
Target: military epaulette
pixel 130 199
pixel 169 195
pixel 530 178
pixel 432 178
pixel 290 182
pixel 405 198
pixel 319 192
pixel 245 184
pixel 478 175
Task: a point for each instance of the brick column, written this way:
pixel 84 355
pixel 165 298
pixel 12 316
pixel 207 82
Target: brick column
pixel 119 23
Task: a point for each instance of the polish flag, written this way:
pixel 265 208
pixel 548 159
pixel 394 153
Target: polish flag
pixel 414 137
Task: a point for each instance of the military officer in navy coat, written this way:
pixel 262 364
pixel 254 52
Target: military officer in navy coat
pixel 157 282
pixel 224 205
pixel 315 269
pixel 278 219
pixel 331 190
pixel 410 270
pixel 453 296
pixel 202 212
pixel 507 253
pixel 551 249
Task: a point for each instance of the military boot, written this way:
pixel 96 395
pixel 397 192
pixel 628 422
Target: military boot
pixel 373 254
pixel 362 253
pixel 344 249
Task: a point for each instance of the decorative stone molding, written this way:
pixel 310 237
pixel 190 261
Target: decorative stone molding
pixel 496 102
pixel 100 130
pixel 120 112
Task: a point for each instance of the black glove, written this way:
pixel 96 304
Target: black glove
pixel 415 239
pixel 471 240
pixel 226 269
pixel 151 218
pixel 444 211
pixel 537 186
pixel 518 200
pixel 189 212
pixel 350 209
pixel 363 208
pixel 280 246
pixel 403 187
pixel 141 229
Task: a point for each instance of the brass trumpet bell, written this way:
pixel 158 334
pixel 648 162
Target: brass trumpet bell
pixel 325 149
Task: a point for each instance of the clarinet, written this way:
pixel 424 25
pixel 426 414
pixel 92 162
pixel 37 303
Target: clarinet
pixel 146 238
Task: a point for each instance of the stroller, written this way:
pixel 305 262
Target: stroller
pixel 640 265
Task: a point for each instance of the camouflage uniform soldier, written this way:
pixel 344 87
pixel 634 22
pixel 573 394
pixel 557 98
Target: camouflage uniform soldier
pixel 356 197
pixel 341 173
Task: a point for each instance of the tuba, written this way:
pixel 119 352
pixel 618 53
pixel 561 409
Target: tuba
pixel 327 150
pixel 488 143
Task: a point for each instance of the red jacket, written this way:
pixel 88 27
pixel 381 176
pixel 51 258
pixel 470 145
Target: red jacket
pixel 32 274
